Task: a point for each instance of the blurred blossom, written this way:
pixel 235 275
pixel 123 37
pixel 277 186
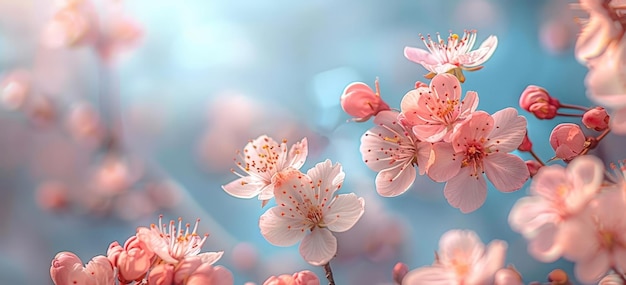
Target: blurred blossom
pixel 52 195
pixel 74 23
pixel 398 272
pixel 533 167
pixel 245 256
pixel 612 279
pixel 299 278
pixel 83 122
pixel 558 276
pixel 508 276
pixel 114 175
pixel 41 111
pixel 555 35
pixel 14 89
pixel 602 28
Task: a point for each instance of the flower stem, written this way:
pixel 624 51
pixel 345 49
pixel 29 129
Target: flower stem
pixel 329 274
pixel 575 107
pixel 536 157
pixel 568 115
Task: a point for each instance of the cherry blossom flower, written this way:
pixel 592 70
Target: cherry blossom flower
pixel 308 210
pixel 567 140
pixel 480 145
pixel 173 244
pixel 557 194
pixel 132 261
pixel 361 102
pixel 392 150
pixel 462 259
pixel 454 56
pixel 304 277
pixel 67 268
pixel 262 159
pixel 597 242
pixel 434 112
pixel 603 27
pixel 538 101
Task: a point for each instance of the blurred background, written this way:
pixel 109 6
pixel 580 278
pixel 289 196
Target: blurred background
pixel 96 142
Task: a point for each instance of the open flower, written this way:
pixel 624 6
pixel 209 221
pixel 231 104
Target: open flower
pixel 453 56
pixel 262 159
pixel 67 268
pixel 308 210
pixel 462 259
pixel 603 27
pixel 392 150
pixel 173 244
pixel 480 145
pixel 435 111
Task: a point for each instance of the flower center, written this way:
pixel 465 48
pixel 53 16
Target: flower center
pixel 474 154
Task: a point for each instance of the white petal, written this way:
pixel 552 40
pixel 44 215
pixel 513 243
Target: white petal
pixel 319 247
pixel 344 212
pixel 245 187
pixel 481 54
pixel 484 271
pixel 395 181
pixel 593 269
pixel 210 257
pixel 530 213
pixel 419 56
pixel 279 227
pixel 460 246
pixel 298 154
pixel 327 178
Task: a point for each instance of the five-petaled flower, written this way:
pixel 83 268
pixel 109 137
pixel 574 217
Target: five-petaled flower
pixel 307 209
pixel 452 56
pixel 262 159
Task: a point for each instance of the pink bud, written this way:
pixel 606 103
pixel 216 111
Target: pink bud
pixel 567 140
pixel 543 111
pixel 306 277
pixel 533 167
pixel 83 122
pixel 62 266
pixel 535 94
pixel 558 276
pixel 508 276
pixel 162 274
pixel 280 280
pixel 67 268
pixel 399 271
pixel 596 119
pixel 526 144
pixel 361 102
pixel 133 261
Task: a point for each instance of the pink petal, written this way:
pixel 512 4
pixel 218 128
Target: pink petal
pixel 509 130
pixel 292 188
pixel 579 238
pixel 454 244
pixel 544 244
pixel 484 271
pixel 548 179
pixel 618 121
pixel 428 275
pixel 395 181
pixel 245 187
pixel 280 228
pixel 319 247
pixel 430 133
pixel 469 103
pixel 586 174
pixel 591 270
pixel 344 212
pixel 328 179
pixel 446 164
pixel 595 37
pixel 419 56
pixel 619 255
pixel 210 257
pixel 480 55
pixel 530 213
pixel 425 156
pixel 506 171
pixel 477 126
pixel 221 275
pixel 383 144
pixel 465 191
pixel 156 243
pixel 446 86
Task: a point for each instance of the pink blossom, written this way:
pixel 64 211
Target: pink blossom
pixel 196 271
pixel 262 159
pixel 526 144
pixel 538 101
pixel 67 268
pixel 434 112
pixel 308 210
pixel 454 55
pixel 533 167
pixel 480 145
pixel 172 244
pixel 557 194
pixel 392 150
pixel 15 89
pixel 596 119
pixel 162 274
pixel 361 102
pixel 304 277
pixel 462 259
pixel 602 28
pixel 132 261
pixel 567 140
pixel 597 242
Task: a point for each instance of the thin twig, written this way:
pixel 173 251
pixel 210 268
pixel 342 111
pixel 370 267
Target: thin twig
pixel 329 274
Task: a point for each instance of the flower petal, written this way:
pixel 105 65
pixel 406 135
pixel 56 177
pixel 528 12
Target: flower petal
pixel 469 103
pixel 395 181
pixel 618 122
pixel 591 270
pixel 484 271
pixel 282 227
pixel 530 213
pixel 586 174
pixel 460 243
pixel 298 153
pixel 245 187
pixel 544 243
pixel 386 145
pixel 445 163
pixel 344 211
pixel 318 247
pixel 506 171
pixel 431 275
pixel 327 178
pixel 480 55
pixel 420 56
pixel 210 257
pixel 509 130
pixel 430 133
pixel 466 191
pixel 446 87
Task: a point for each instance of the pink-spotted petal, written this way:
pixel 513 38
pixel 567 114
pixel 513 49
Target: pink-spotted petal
pixel 431 275
pixel 446 87
pixel 386 144
pixel 280 228
pixel 509 130
pixel 466 191
pixel 591 270
pixel 445 163
pixel 318 247
pixel 298 153
pixel 292 188
pixel 395 181
pixel 425 156
pixel 420 56
pixel 327 178
pixel 480 55
pixel 477 126
pixel 469 103
pixel 430 133
pixel 245 187
pixel 344 212
pixel 506 171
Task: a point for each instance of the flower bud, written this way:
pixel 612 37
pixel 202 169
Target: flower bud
pixel 361 102
pixel 526 144
pixel 306 277
pixel 399 271
pixel 62 266
pixel 558 277
pixel 596 119
pixel 134 261
pixel 567 140
pixel 535 94
pixel 162 274
pixel 533 167
pixel 543 111
pixel 508 276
